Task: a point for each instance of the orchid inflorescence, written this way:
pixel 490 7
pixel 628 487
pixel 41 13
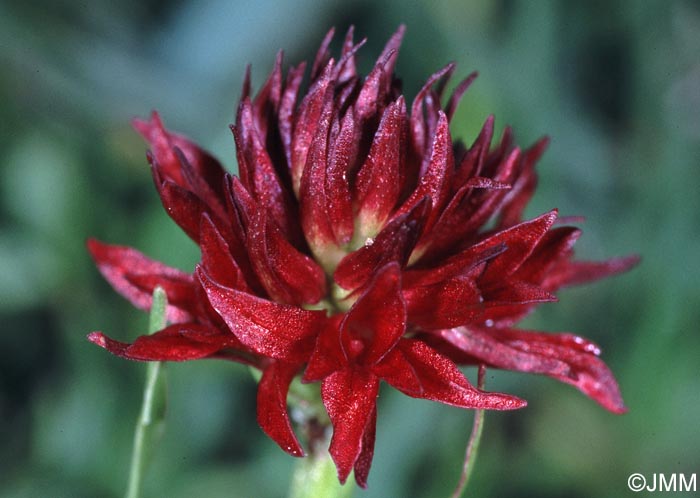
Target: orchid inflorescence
pixel 359 243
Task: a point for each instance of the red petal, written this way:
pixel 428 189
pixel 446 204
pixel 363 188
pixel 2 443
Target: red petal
pixel 390 53
pixel 323 55
pixel 442 381
pixel 116 263
pixel 473 161
pixel 581 272
pixel 437 180
pixel 197 184
pixel 328 355
pixel 371 100
pixel 286 112
pixel 555 246
pixel 394 243
pixel 377 319
pixel 162 144
pixel 449 303
pixel 471 261
pixel 273 416
pixel 179 342
pixel 419 133
pixel 347 68
pixel 261 178
pixel 217 259
pixel 307 119
pixel 463 86
pixel 313 197
pixel 510 303
pixel 364 460
pixel 517 293
pixel 396 370
pixel 349 396
pixel 468 211
pixel 183 206
pixel 378 185
pixel 520 241
pixel 288 276
pixel 341 157
pixel 485 348
pixel 590 375
pixel 516 200
pixel 267 101
pixel 268 328
pixel 375 91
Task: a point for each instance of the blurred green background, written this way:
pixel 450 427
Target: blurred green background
pixel 615 84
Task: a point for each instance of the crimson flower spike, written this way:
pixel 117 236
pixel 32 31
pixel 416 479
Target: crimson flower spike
pixel 360 244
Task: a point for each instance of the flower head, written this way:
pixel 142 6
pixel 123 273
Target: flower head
pixel 360 243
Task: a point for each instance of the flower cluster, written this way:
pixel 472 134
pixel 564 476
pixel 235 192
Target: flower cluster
pixel 359 243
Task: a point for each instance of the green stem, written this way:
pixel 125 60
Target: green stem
pixel 316 477
pixel 474 439
pixel 150 423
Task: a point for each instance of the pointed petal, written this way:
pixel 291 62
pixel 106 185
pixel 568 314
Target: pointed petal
pixel 397 371
pixel 268 328
pixel 517 199
pixel 394 243
pixel 183 206
pixel 371 99
pixel 590 375
pixel 286 112
pixel 458 93
pixel 449 303
pixel 328 355
pixel 515 292
pixel 217 260
pixel 581 272
pixel 442 381
pixel 520 241
pixel 462 221
pixel 307 119
pixel 273 416
pixel 364 460
pixel 390 53
pixel 437 181
pixel 377 320
pixel 162 144
pixel 471 262
pixel 555 247
pixel 179 342
pixel 313 196
pixel 118 263
pixel 288 275
pixel 484 347
pixel 323 55
pixel 419 132
pixel 378 185
pixel 267 101
pixel 347 67
pixel 262 179
pixel 341 158
pixel 349 396
pixel 472 163
pixel 197 185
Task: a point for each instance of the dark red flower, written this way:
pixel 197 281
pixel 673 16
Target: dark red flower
pixel 359 244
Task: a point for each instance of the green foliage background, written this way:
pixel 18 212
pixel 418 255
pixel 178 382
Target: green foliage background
pixel 616 84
